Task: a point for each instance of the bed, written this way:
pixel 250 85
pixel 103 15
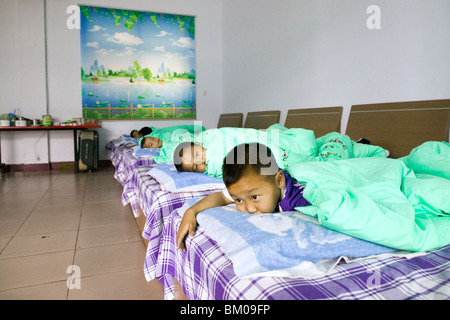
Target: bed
pixel 320 120
pixel 153 198
pixel 261 119
pixel 206 271
pixel 400 126
pixel 230 120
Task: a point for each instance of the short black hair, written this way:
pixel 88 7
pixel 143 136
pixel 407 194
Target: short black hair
pixel 134 130
pixel 145 131
pixel 178 153
pixel 249 156
pixel 142 142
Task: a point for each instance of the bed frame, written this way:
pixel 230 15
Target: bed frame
pixel 230 120
pixel 320 120
pixel 261 119
pixel 400 126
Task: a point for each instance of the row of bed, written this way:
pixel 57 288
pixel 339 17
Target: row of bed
pixel 206 271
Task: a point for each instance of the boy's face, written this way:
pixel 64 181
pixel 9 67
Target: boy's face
pixel 255 193
pixel 194 159
pixel 152 142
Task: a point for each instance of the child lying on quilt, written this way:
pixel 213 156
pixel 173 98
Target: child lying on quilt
pixel 289 146
pixel 211 147
pixel 166 139
pixel 253 182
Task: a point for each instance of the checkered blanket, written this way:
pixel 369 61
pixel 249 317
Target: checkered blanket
pixel 125 162
pixel 205 272
pixel 143 192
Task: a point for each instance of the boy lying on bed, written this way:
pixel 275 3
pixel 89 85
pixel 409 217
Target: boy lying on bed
pixel 166 139
pixel 253 182
pixel 288 145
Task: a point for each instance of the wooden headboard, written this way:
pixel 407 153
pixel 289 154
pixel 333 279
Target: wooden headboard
pixel 400 126
pixel 261 119
pixel 230 120
pixel 320 120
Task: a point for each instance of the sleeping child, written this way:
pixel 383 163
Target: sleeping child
pixel 168 138
pixel 253 182
pixel 210 147
pixel 289 146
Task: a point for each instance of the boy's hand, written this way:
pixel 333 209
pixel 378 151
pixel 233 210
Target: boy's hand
pixel 187 226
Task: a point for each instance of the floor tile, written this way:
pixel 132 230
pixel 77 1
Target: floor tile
pixel 34 270
pixel 43 225
pixel 47 291
pixel 107 259
pixel 108 235
pixel 39 244
pixel 132 284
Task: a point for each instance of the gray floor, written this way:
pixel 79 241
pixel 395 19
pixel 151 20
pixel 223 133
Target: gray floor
pixel 53 220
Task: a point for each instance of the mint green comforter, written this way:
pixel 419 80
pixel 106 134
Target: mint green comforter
pixel 401 203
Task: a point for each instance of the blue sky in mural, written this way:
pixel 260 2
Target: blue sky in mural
pixel 115 47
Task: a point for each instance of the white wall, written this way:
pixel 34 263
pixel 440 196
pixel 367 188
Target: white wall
pixel 23 59
pixel 290 54
pixel 251 55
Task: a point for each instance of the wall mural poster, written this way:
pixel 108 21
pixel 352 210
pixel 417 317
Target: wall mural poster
pixel 137 65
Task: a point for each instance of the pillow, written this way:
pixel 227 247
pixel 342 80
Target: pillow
pixel 288 244
pixel 177 182
pixel 139 152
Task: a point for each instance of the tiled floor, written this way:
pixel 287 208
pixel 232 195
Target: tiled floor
pixel 52 220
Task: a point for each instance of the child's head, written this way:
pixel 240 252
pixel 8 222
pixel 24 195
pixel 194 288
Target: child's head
pixel 252 178
pixel 134 134
pixel 190 157
pixel 145 131
pixel 151 142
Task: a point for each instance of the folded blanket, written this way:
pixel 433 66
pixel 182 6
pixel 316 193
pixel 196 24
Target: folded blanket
pixel 139 152
pixel 288 244
pixel 123 140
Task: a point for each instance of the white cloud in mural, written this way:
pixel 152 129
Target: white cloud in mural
pixel 93 44
pixel 125 39
pixel 163 34
pixel 160 48
pixel 128 51
pixel 103 52
pixel 184 42
pixel 96 28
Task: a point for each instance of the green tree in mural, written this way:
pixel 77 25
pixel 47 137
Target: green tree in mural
pixel 147 74
pixel 136 70
pixel 129 18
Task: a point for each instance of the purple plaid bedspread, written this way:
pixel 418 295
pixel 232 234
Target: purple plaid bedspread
pixel 205 272
pixel 144 193
pixel 124 162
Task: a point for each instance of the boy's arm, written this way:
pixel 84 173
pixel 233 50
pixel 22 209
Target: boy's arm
pixel 189 221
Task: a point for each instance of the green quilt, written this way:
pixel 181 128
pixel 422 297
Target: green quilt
pixel 401 203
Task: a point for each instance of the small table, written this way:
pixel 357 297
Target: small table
pixel 75 130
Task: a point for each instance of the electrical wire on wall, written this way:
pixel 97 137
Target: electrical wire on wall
pixel 47 109
pixel 35 150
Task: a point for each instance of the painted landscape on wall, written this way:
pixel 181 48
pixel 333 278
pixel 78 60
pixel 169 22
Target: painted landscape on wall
pixel 137 65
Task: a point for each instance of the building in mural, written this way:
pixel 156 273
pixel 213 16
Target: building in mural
pixel 137 65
